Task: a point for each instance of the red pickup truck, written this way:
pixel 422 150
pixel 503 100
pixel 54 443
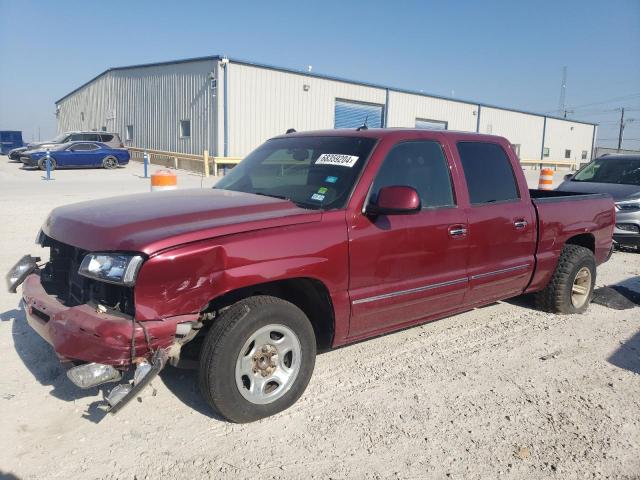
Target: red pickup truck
pixel 313 241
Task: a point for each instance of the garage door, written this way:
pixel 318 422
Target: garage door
pixel 354 114
pixel 431 124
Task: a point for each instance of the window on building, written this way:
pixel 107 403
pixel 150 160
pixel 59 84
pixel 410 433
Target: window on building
pixel 431 124
pixel 545 152
pixel 584 155
pixel 567 154
pixel 516 149
pixel 421 165
pixel 185 128
pixel 488 173
pixel 82 116
pixel 349 114
pixel 129 133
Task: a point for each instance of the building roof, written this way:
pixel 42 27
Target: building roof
pixel 320 76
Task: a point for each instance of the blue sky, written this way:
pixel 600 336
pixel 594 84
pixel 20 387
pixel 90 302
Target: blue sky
pixel 508 53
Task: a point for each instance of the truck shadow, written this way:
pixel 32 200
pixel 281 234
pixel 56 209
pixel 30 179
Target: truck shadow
pixel 628 355
pixel 40 359
pixel 183 384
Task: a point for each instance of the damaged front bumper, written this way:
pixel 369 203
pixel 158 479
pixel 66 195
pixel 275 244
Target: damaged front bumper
pixel 107 339
pixel 94 374
pixel 91 333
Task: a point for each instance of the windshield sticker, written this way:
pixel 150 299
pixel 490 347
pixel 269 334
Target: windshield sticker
pixel 331 179
pixel 323 190
pixel 317 196
pixel 337 159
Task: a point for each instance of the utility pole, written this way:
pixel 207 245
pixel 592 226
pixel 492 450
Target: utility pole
pixel 563 91
pixel 621 129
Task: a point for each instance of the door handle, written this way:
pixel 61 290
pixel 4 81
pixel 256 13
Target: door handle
pixel 520 224
pixel 458 231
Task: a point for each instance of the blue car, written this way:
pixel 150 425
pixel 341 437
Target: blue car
pixel 78 155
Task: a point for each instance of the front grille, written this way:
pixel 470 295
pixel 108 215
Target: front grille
pixel 628 227
pixel 60 277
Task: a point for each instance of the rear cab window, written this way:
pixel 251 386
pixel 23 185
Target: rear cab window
pixel 488 173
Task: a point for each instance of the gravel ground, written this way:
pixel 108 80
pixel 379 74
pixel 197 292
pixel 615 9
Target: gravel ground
pixel 504 390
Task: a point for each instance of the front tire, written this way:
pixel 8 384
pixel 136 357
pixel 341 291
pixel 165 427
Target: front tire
pixel 571 286
pixel 42 164
pixel 257 359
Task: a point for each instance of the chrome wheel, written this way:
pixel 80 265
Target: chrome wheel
pixel 110 162
pixel 268 364
pixel 581 288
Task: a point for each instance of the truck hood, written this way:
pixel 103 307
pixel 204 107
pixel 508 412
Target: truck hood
pixel 150 222
pixel 616 190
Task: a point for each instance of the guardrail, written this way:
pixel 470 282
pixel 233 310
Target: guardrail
pixel 552 163
pixel 188 161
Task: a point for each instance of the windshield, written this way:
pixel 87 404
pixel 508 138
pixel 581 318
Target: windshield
pixel 611 170
pixel 312 172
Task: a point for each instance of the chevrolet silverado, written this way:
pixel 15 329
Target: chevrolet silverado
pixel 315 240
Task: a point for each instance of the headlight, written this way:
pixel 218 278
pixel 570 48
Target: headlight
pixel 111 267
pixel 628 206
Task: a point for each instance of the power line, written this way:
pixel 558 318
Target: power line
pixel 615 99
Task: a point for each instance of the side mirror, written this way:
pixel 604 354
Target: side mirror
pixel 396 200
pixel 568 177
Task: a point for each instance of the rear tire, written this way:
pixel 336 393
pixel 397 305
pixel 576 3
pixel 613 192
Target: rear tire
pixel 257 359
pixel 110 162
pixel 571 286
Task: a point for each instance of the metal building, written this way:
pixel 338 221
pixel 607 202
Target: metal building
pixel 229 107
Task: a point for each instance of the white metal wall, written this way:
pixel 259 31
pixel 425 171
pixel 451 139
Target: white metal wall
pixel 264 103
pixel 561 135
pixel 405 108
pixel 519 128
pixel 152 99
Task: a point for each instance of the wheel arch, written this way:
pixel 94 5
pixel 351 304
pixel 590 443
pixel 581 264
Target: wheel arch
pixel 586 240
pixel 309 294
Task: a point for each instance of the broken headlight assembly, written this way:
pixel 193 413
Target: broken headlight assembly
pixel 121 269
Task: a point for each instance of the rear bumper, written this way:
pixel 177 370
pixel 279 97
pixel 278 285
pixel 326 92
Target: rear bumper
pixel 82 333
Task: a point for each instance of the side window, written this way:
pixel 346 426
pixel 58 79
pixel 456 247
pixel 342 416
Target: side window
pixel 75 137
pixel 83 147
pixel 106 138
pixel 91 137
pixel 421 165
pixel 488 173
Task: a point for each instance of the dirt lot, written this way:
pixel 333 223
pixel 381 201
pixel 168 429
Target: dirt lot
pixel 500 391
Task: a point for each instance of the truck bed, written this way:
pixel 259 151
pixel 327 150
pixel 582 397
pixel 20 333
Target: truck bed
pixel 547 196
pixel 558 221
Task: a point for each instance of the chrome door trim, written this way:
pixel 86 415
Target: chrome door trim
pixel 409 291
pixel 497 272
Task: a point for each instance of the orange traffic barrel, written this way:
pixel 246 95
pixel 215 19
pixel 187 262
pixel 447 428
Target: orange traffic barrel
pixel 546 179
pixel 163 180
